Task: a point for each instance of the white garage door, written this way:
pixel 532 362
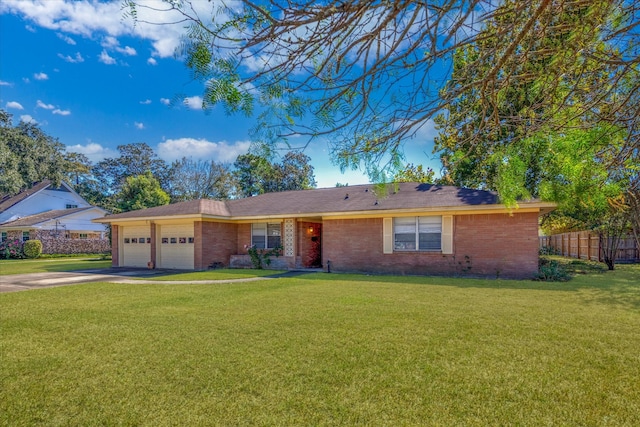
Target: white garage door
pixel 176 247
pixel 136 246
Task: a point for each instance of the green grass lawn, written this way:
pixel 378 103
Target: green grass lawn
pixel 219 274
pixel 325 349
pixel 24 266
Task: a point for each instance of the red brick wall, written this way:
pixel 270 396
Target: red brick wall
pixel 499 245
pixel 214 242
pixel 484 245
pixel 244 238
pixel 115 230
pixel 154 242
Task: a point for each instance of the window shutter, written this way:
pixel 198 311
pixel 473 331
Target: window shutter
pixel 387 235
pixel 447 234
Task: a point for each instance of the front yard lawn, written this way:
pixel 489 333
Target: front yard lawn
pixel 325 349
pixel 25 266
pixel 218 274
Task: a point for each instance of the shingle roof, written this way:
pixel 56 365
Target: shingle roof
pixel 191 207
pixel 7 201
pixel 27 221
pixel 355 198
pixel 360 198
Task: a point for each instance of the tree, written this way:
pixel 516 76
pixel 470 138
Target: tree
pixel 77 168
pixel 368 75
pixel 141 191
pixel 190 179
pixel 413 173
pixel 253 174
pixel 135 159
pixel 27 155
pixel 257 175
pixel 294 172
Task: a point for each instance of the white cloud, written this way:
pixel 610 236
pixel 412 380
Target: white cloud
pixel 28 119
pixel 174 149
pixel 105 58
pixel 193 102
pixel 165 101
pixel 72 59
pixel 26 80
pixel 15 105
pixel 427 132
pixel 61 112
pixel 138 125
pixel 41 104
pixel 109 42
pixel 40 76
pixel 95 152
pixel 152 61
pixel 145 102
pixel 3 83
pixel 112 43
pixel 127 50
pixel 90 18
pixel 66 39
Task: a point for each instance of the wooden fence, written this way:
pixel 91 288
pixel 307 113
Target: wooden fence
pixel 585 245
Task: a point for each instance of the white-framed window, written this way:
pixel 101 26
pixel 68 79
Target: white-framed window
pixel 3 236
pixel 69 206
pixel 421 233
pixel 25 236
pixel 265 235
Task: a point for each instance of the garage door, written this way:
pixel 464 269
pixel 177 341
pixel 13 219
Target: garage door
pixel 176 247
pixel 136 246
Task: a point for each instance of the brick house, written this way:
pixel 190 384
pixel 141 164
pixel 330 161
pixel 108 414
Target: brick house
pixel 411 229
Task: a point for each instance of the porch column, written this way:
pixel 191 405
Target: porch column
pixel 289 237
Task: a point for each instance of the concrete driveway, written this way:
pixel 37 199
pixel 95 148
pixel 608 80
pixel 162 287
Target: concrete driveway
pixel 21 282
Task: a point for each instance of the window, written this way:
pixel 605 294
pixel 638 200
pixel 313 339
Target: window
pixel 83 236
pixel 421 233
pixel 68 206
pixel 265 236
pixel 25 236
pixel 4 237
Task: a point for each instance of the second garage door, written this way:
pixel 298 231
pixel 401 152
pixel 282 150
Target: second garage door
pixel 176 247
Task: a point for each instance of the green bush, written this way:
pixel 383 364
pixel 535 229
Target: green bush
pixel 552 271
pixel 32 248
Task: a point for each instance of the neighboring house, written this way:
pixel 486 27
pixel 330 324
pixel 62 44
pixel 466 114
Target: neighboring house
pixel 58 215
pixel 414 229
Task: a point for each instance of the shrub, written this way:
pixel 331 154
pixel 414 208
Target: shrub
pixel 11 249
pixel 552 271
pixel 261 258
pixel 32 248
pixel 548 250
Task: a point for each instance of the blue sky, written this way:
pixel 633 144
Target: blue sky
pixel 95 81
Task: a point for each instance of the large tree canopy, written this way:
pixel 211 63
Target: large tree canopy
pixel 27 155
pixel 369 74
pixel 255 174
